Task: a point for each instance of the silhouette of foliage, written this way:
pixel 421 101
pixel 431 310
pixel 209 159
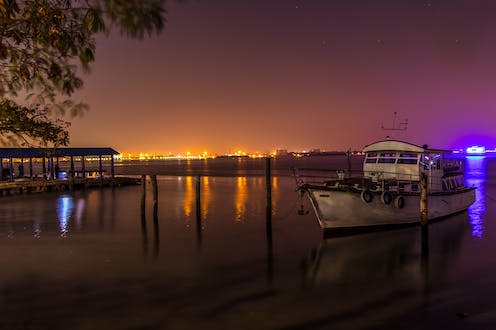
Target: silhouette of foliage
pixel 43 46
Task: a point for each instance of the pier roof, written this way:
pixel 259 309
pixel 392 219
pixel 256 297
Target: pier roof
pixel 54 152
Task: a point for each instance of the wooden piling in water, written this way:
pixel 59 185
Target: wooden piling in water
pixel 268 221
pixel 156 235
pixel 143 195
pixel 268 198
pixel 153 179
pixel 424 213
pixel 198 212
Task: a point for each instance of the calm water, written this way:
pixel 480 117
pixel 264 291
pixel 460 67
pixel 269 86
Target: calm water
pixel 87 261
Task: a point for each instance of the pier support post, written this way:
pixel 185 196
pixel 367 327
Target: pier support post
pixel 83 167
pixel 72 167
pixel 31 168
pixel 1 169
pixel 11 165
pixel 52 169
pixel 100 169
pixel 44 168
pixel 21 168
pixel 112 168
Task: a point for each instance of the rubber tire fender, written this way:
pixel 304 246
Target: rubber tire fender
pixel 367 196
pixel 386 197
pixel 399 202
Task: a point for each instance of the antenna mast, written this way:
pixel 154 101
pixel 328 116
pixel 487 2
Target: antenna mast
pixel 401 126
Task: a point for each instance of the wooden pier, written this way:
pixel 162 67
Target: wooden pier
pixel 37 185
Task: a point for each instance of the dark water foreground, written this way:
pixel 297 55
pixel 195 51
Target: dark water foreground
pixel 84 261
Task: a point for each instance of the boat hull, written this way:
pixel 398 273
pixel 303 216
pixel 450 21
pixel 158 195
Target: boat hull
pixel 342 209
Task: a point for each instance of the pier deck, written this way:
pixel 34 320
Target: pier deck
pixel 36 185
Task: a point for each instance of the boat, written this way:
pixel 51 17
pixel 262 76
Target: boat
pixel 387 191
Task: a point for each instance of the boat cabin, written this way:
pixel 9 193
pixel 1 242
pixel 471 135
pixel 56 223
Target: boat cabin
pixel 398 165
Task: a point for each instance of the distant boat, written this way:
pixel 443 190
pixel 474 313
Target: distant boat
pixel 388 190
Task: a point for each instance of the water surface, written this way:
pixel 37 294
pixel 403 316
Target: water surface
pixel 86 260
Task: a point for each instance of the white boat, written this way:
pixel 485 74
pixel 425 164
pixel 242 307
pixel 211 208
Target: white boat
pixel 388 191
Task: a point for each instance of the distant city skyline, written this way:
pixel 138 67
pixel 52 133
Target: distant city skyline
pixel 265 75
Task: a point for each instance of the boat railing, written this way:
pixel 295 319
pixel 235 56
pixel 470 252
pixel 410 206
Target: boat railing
pixel 317 175
pixel 378 180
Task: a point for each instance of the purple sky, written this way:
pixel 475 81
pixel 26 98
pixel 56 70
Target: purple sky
pixel 260 75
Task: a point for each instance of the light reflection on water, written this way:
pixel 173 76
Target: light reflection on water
pixel 189 197
pixel 205 197
pixel 65 206
pixel 363 276
pixel 476 176
pixel 240 198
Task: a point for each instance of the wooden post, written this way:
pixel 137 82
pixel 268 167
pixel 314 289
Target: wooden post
pixel 156 236
pixel 348 154
pixel 21 167
pixel 112 167
pixel 153 179
pixel 143 195
pixel 44 168
pixel 31 167
pixel 424 213
pixel 11 165
pixel 1 169
pixel 144 233
pixel 100 170
pixel 72 167
pixel 198 212
pixel 52 169
pixel 268 188
pixel 83 167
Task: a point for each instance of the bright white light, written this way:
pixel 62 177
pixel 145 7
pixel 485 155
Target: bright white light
pixel 476 150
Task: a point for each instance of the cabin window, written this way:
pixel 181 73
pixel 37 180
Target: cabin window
pixel 371 158
pixel 408 159
pixel 387 158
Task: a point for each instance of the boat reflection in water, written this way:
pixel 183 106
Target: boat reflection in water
pixel 385 260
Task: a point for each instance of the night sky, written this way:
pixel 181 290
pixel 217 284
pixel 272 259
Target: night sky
pixel 267 74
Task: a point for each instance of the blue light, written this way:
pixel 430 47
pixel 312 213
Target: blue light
pixel 476 150
pixel 65 205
